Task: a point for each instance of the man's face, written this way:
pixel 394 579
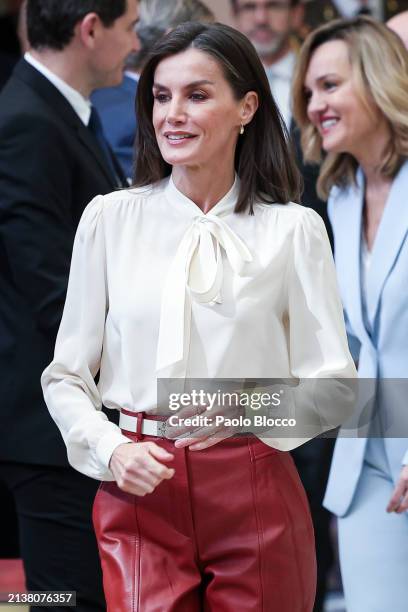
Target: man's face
pixel 115 44
pixel 267 23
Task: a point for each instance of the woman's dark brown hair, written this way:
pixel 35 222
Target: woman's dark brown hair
pixel 264 161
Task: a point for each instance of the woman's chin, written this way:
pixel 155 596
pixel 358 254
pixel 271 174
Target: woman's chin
pixel 179 160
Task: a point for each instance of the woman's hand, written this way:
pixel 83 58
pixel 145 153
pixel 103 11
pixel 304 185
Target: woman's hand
pixel 208 432
pixel 138 468
pixel 399 500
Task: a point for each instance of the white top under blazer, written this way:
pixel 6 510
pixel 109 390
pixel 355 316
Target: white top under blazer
pixel 158 288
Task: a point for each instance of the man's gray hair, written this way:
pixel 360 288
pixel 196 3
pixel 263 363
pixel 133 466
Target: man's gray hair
pixel 167 14
pixel 158 17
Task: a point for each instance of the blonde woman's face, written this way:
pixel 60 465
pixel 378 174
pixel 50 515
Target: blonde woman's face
pixel 334 105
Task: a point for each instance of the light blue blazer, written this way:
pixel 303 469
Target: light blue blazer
pixel 379 341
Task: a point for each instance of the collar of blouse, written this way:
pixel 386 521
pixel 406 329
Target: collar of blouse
pixel 195 274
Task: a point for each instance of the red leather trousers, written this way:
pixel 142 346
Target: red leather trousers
pixel 230 532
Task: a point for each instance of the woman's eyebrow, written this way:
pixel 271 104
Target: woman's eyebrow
pixel 188 86
pixel 328 75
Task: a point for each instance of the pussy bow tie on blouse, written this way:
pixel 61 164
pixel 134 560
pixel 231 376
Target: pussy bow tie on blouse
pixel 196 274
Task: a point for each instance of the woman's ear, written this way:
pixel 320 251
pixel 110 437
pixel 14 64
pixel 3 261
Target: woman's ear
pixel 249 107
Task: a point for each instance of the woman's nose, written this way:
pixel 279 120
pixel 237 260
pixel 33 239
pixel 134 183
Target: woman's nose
pixel 176 112
pixel 316 104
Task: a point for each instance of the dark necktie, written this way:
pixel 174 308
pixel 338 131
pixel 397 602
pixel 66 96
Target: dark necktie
pixel 95 126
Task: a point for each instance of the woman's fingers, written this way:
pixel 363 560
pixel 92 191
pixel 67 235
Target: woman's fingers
pixel 138 468
pixel 399 500
pixel 204 438
pixel 210 441
pixel 396 496
pixel 182 416
pixel 157 451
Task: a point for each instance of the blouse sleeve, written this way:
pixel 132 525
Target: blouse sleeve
pixel 324 394
pixel 318 341
pixel 68 382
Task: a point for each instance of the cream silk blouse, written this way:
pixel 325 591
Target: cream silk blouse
pixel 158 288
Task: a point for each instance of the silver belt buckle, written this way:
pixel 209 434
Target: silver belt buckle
pixel 161 429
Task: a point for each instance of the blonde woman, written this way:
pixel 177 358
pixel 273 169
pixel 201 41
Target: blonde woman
pixel 351 102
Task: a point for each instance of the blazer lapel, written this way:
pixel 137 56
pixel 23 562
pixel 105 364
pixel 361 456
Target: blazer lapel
pixel 347 252
pixel 60 107
pixel 90 142
pixel 391 233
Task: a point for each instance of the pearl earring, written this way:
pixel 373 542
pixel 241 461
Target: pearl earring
pixel 242 130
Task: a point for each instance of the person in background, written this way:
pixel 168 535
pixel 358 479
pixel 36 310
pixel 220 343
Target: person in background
pixel 270 26
pixel 350 100
pixel 399 24
pixel 53 159
pixel 318 12
pixel 9 56
pixel 116 105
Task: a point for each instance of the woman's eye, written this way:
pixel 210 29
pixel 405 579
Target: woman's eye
pixel 198 96
pixel 161 98
pixel 329 85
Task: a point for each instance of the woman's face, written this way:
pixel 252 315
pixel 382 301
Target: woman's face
pixel 195 115
pixel 334 105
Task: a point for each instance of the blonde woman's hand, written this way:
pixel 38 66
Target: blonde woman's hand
pixel 139 467
pixel 399 500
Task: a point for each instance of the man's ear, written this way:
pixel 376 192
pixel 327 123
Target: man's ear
pixel 249 107
pixel 89 29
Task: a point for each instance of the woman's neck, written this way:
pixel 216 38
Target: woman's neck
pixel 203 186
pixel 377 189
pixel 370 155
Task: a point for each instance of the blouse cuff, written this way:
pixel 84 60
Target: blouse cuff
pixel 277 403
pixel 107 445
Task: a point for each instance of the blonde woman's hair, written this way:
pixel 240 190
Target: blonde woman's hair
pixel 379 62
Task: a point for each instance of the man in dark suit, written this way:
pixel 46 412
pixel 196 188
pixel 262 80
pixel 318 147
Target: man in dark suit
pixel 270 24
pixel 53 161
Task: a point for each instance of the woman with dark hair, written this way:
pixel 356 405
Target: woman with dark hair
pixel 204 270
pixel 351 103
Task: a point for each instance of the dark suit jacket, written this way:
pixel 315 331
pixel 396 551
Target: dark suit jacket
pixel 116 108
pixel 51 166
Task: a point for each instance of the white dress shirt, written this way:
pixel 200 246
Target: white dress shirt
pixel 280 76
pixel 365 263
pixel 158 288
pixel 81 105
